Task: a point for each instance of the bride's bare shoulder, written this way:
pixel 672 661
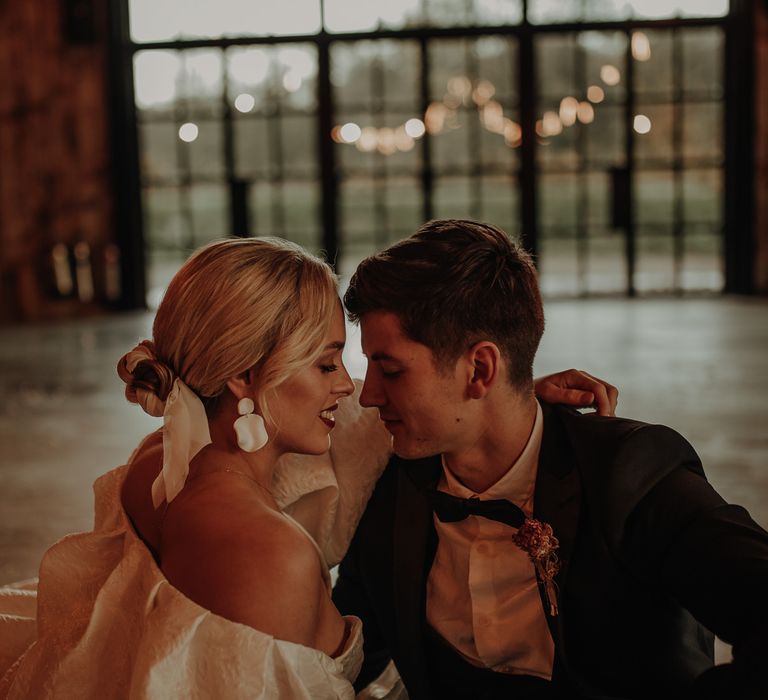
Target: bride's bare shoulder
pixel 228 552
pixel 136 494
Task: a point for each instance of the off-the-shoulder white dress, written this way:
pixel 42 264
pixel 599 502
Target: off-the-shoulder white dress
pixel 103 622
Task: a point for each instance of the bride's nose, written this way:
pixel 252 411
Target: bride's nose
pixel 344 386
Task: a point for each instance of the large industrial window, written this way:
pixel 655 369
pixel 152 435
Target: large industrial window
pixel 591 128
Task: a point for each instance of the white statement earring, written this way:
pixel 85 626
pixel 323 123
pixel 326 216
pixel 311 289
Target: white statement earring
pixel 249 427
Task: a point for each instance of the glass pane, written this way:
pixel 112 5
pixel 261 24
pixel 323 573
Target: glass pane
pixel 357 212
pixel 299 146
pixel 294 75
pixel 500 202
pixel 561 151
pixel 558 198
pixel 652 51
pixel 448 13
pixel 498 12
pixel 556 65
pixel 163 220
pixel 366 15
pixel 703 196
pixel 598 200
pixel 604 55
pixel 404 206
pixel 655 145
pixel 361 155
pixel 253 142
pixel 448 81
pixel 604 137
pixel 552 11
pixel 703 64
pixel 351 73
pixel 200 82
pixel 452 147
pixel 702 260
pixel 155 79
pixel 605 262
pixel 264 208
pixel 654 269
pixel 703 131
pixel 401 62
pixel 452 198
pixel 497 67
pixel 302 213
pixel 176 19
pixel 159 143
pixel 209 205
pixel 497 152
pixel 558 264
pixel 206 152
pixel 654 197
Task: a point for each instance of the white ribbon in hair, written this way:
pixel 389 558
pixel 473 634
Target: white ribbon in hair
pixel 185 433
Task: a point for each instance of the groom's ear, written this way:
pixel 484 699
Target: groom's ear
pixel 243 384
pixel 484 367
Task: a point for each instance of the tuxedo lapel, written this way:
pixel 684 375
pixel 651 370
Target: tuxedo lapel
pixel 557 501
pixel 415 543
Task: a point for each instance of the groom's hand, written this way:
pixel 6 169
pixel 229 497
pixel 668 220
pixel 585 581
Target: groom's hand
pixel 577 388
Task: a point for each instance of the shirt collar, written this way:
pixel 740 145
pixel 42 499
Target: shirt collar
pixel 517 484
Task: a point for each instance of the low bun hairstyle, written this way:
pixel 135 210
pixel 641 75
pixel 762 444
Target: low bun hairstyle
pixel 235 304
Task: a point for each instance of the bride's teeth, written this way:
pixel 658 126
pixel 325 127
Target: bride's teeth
pixel 328 415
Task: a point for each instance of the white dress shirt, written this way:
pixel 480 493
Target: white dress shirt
pixel 482 593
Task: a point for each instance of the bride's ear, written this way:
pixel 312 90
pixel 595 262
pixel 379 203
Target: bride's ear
pixel 243 385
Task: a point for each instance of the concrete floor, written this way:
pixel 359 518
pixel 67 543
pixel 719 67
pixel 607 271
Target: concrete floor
pixel 698 365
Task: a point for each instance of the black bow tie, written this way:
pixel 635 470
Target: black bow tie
pixel 450 509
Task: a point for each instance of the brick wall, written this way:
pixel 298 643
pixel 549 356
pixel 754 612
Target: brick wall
pixel 56 202
pixel 761 147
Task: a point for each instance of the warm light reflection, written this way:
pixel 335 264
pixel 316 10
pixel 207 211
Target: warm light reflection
pixel 492 116
pixel 513 134
pixel 595 94
pixel 415 128
pixel 641 124
pixel 188 132
pixel 292 81
pixel 568 107
pixel 244 102
pixel 540 128
pixel 610 75
pixel 551 124
pixel 585 113
pixel 460 86
pixel 434 117
pixel 387 144
pixel 641 47
pixel 403 140
pixel 350 132
pixel 368 140
pixel 484 91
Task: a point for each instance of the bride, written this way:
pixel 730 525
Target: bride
pixel 207 572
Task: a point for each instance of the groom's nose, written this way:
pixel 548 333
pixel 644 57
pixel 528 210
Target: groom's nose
pixel 371 395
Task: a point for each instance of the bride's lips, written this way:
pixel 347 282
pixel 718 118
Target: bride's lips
pixel 326 415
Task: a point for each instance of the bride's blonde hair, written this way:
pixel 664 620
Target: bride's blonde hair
pixel 235 304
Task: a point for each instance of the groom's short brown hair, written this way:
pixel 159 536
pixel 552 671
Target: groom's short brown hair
pixel 451 284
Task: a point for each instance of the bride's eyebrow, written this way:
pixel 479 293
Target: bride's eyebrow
pixel 335 345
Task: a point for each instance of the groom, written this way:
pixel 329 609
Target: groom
pixel 604 557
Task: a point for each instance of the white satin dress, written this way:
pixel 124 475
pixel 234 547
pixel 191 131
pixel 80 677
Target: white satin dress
pixel 103 622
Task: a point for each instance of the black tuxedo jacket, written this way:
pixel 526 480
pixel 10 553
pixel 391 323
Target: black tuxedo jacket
pixel 652 559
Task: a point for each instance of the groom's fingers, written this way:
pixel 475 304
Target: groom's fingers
pixel 606 395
